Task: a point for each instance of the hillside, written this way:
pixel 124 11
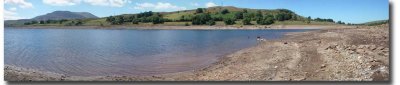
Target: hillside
pixel 219 15
pixel 216 11
pixel 56 15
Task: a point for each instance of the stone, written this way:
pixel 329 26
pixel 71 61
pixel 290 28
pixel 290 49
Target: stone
pixel 372 47
pixel 360 50
pixel 353 46
pixel 319 42
pixel 360 47
pixel 323 66
pixel 331 47
pixel 285 43
pixel 385 49
pixel 380 48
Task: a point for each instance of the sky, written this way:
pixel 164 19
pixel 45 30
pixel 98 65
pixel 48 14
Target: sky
pixel 351 11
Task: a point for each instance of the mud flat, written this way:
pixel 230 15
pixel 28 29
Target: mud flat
pixel 359 54
pixel 351 54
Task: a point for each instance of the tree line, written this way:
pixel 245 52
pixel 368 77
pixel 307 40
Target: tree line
pixel 326 20
pixel 201 16
pixel 67 22
pixel 145 17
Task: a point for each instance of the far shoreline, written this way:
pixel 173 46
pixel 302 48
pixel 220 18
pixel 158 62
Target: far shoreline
pixel 196 27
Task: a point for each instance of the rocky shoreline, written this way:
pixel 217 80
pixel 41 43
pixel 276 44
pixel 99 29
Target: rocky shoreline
pixel 353 54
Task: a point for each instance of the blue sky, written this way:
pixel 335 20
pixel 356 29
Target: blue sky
pixel 353 11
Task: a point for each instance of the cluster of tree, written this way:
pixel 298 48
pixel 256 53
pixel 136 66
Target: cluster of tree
pixel 308 20
pixel 203 19
pixel 46 22
pixel 71 23
pixel 266 20
pixel 340 22
pixel 354 24
pixel 229 18
pixel 199 10
pixel 246 21
pixel 259 17
pixel 144 17
pixel 284 14
pixel 115 20
pixel 225 11
pixel 145 14
pixel 229 21
pixel 74 23
pixel 32 22
pixel 251 15
pixel 185 18
pixel 323 20
pixel 239 15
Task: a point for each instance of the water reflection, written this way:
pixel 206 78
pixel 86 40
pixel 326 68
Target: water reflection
pixel 93 52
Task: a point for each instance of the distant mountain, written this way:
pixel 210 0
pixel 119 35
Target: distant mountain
pixel 58 15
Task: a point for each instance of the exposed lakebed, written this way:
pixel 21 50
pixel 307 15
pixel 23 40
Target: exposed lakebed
pixel 101 52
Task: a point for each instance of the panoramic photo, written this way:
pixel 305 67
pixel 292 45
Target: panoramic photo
pixel 196 40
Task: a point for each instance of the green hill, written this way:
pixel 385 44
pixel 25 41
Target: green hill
pixel 52 17
pixel 220 15
pixel 58 15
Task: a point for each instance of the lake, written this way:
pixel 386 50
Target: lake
pixel 101 52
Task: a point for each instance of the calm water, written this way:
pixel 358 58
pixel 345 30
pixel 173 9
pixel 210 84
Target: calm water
pixel 95 52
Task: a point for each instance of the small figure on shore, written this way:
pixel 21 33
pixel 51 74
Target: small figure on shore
pixel 260 39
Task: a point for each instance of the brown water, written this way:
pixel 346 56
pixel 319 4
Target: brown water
pixel 95 52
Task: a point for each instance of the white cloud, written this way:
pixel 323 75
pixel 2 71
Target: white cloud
pixel 194 4
pixel 20 3
pixel 117 3
pixel 211 4
pixel 11 15
pixel 61 2
pixel 13 9
pixel 112 3
pixel 97 2
pixel 143 5
pixel 158 6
